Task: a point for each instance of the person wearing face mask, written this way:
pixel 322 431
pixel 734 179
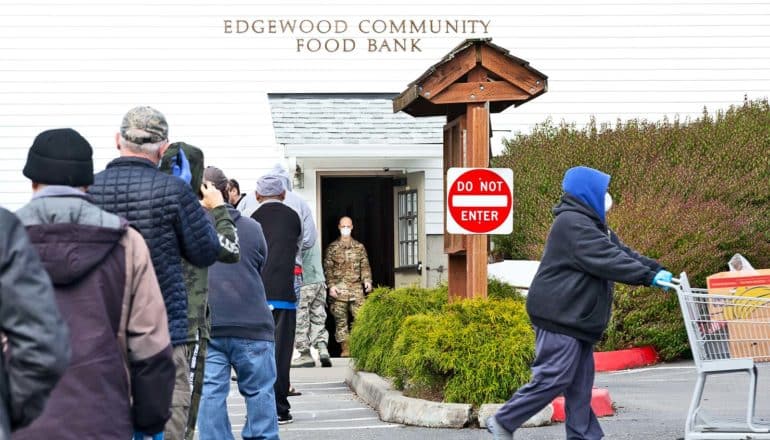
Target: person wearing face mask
pixel 348 276
pixel 569 304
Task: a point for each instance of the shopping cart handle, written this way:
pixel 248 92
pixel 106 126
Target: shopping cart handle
pixel 673 284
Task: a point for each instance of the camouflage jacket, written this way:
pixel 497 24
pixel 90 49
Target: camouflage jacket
pixel 196 279
pixel 346 267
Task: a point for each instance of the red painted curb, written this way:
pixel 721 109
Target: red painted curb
pixel 624 359
pixel 601 403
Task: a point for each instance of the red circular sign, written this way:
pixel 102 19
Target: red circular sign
pixel 479 200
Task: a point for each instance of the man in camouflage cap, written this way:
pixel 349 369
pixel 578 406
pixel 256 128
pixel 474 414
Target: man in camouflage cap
pixel 144 125
pixel 348 275
pixel 168 214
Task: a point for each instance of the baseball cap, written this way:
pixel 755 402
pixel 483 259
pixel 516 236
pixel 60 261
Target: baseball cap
pixel 144 125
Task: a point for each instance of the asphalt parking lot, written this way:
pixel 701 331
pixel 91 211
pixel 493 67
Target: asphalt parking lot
pixel 651 403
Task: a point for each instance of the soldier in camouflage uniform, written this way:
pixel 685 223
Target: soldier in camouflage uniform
pixel 348 275
pixel 196 283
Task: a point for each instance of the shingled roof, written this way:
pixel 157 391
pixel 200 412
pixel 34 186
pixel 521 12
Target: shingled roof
pixel 365 119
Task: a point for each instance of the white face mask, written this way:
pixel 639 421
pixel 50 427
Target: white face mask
pixel 345 232
pixel 607 202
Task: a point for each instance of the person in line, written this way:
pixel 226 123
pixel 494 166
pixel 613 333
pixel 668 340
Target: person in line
pixel 172 221
pixel 311 313
pixel 107 291
pixel 36 348
pixel 186 162
pixel 348 275
pixel 569 304
pixel 242 336
pixel 283 231
pixel 234 194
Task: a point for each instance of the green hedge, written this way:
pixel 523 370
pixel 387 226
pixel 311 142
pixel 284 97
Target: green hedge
pixel 380 318
pixel 474 351
pixel 689 194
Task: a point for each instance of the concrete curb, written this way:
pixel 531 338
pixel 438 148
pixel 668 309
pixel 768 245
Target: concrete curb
pixel 394 407
pixel 397 408
pixel 625 359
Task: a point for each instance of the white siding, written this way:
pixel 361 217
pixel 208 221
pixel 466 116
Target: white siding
pixel 83 63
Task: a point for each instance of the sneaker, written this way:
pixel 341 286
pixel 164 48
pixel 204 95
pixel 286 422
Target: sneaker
pixel 303 361
pixel 285 419
pixel 497 430
pixel 323 355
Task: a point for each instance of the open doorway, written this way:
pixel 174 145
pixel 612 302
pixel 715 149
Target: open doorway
pixel 368 201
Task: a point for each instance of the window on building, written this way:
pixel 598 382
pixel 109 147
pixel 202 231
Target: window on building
pixel 408 234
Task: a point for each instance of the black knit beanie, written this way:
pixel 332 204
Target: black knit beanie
pixel 60 157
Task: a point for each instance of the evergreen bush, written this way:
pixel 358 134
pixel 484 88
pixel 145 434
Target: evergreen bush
pixel 690 194
pixel 380 318
pixel 474 351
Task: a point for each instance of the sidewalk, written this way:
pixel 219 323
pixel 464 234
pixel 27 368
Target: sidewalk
pixel 326 406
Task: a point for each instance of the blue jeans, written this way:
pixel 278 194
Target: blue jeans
pixel 254 363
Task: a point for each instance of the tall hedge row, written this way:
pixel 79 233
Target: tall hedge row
pixel 690 194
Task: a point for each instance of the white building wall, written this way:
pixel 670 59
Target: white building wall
pixel 83 63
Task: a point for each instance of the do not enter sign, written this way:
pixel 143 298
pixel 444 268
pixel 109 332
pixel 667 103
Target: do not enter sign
pixel 479 201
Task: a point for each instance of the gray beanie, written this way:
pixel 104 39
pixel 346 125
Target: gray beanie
pixel 270 186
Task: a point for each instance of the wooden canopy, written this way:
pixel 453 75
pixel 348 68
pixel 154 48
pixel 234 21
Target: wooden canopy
pixel 444 89
pixel 475 79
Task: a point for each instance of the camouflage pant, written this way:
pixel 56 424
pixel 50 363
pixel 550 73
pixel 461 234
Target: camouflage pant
pixel 311 317
pixel 196 356
pixel 340 312
pixel 180 401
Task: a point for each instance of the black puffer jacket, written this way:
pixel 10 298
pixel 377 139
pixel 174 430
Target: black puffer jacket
pixel 170 218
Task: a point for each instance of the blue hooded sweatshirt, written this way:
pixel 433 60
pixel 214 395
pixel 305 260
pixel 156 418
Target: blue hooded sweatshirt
pixel 572 291
pixel 236 292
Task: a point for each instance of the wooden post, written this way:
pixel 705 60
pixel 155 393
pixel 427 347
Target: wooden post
pixel 477 156
pixel 475 79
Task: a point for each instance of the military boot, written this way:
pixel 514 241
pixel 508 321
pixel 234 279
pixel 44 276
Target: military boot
pixel 345 351
pixel 323 354
pixel 304 360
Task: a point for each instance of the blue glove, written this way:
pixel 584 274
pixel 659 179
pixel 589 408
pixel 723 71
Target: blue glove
pixel 180 166
pixel 662 276
pixel 142 436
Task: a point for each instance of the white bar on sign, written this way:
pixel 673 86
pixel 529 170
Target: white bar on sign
pixel 479 201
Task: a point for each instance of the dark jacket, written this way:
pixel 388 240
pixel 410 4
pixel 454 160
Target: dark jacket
pixel 196 279
pixel 572 291
pixel 236 292
pixel 170 218
pixel 108 293
pixel 38 340
pixel 283 232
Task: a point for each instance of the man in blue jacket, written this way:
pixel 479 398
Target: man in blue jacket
pixel 569 304
pixel 172 221
pixel 242 336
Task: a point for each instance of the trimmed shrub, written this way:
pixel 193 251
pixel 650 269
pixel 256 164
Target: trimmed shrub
pixel 474 351
pixel 688 194
pixel 497 289
pixel 380 318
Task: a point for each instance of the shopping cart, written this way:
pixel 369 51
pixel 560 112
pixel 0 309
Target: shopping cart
pixel 727 334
